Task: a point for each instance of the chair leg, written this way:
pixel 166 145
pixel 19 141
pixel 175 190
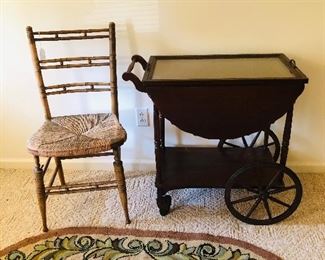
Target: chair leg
pixel 60 170
pixel 120 178
pixel 40 191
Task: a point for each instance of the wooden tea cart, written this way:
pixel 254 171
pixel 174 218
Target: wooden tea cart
pixel 235 99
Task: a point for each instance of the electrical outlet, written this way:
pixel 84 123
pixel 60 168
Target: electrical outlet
pixel 142 116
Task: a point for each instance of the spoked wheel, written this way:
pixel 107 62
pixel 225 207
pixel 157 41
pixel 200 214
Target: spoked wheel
pixel 273 194
pixel 255 140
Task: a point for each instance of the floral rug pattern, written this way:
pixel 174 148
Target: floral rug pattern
pixel 111 244
pixel 91 248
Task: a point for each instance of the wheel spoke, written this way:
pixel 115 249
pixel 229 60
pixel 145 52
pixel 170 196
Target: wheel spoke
pixel 232 145
pixel 255 139
pixel 269 144
pixel 279 202
pixel 221 143
pixel 267 207
pixel 279 190
pixel 254 190
pixel 265 145
pixel 245 199
pixel 253 207
pixel 274 178
pixel 244 141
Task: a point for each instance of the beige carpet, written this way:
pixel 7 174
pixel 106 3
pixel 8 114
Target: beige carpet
pixel 302 236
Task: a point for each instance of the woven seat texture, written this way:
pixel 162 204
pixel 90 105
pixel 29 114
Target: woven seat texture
pixel 77 135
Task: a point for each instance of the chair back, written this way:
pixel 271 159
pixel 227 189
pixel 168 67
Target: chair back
pixel 74 62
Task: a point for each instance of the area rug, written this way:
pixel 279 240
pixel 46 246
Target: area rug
pixel 113 243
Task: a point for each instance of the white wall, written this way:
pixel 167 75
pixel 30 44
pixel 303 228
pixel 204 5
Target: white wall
pixel 295 27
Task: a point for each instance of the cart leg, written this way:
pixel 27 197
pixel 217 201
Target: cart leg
pixel 162 131
pixel 286 137
pixel 157 136
pixel 163 202
pixel 157 139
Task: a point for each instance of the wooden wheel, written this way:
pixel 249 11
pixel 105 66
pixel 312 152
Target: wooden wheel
pixel 273 194
pixel 268 140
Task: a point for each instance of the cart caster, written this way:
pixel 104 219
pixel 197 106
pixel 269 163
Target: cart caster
pixel 265 200
pixel 272 142
pixel 164 203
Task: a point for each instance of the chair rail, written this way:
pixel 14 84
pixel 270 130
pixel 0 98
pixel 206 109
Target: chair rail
pixel 69 62
pixel 84 34
pixel 71 88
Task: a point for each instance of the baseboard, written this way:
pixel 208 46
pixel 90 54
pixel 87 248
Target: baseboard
pixel 138 165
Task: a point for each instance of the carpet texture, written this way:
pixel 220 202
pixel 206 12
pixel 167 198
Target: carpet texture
pixel 301 236
pixel 110 243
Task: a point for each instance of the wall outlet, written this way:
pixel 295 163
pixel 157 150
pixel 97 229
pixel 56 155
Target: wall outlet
pixel 142 116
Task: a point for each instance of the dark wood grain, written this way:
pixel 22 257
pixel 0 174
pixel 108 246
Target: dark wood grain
pixel 202 167
pixel 217 108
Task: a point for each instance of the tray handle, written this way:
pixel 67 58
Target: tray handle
pixel 128 75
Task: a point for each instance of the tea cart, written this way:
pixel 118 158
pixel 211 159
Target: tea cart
pixel 234 99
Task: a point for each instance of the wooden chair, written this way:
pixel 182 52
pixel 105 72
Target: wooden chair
pixel 76 136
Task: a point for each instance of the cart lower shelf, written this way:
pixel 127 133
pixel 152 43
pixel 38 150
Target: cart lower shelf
pixel 257 190
pixel 197 167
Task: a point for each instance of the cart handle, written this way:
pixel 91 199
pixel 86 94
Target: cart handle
pixel 128 75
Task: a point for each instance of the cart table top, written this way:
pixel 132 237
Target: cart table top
pixel 222 69
pixel 220 96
